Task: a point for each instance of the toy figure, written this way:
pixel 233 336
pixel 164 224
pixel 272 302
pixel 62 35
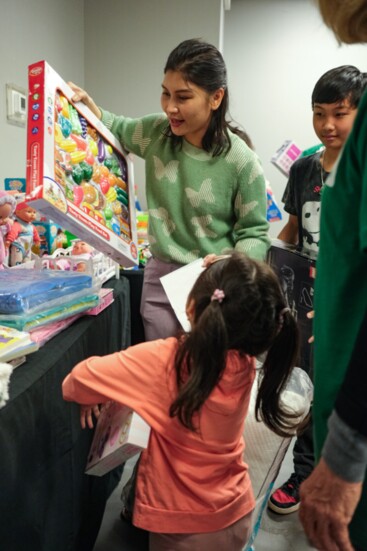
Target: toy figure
pixel 61 241
pixel 82 249
pixel 23 235
pixel 7 208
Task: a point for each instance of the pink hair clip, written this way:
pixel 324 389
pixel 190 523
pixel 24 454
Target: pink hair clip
pixel 218 295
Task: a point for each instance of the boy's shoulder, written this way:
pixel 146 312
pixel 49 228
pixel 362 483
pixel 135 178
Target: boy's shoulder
pixel 305 163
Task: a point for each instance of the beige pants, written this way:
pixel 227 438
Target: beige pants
pixel 232 538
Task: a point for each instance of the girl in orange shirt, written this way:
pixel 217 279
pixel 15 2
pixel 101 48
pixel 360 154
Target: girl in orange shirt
pixel 193 488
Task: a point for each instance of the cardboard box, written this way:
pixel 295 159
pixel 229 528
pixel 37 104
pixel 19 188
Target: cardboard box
pixel 119 435
pixel 285 156
pixel 15 185
pixel 48 232
pixel 105 299
pixel 296 270
pixel 273 213
pixel 77 173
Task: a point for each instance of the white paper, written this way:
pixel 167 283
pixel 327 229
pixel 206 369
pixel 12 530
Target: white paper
pixel 178 285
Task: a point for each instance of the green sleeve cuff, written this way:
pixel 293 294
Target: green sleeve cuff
pixel 107 118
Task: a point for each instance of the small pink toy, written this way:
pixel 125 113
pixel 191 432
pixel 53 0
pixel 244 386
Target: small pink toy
pixel 7 208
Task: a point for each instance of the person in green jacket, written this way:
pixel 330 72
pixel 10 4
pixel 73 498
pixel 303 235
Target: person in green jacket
pixel 205 188
pixel 333 507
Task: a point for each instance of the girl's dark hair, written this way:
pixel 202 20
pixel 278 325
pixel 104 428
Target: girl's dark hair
pixel 344 82
pixel 249 319
pixel 203 65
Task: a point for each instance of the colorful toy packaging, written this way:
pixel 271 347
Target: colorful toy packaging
pixel 49 234
pixel 77 173
pixel 120 434
pixel 15 185
pixel 273 213
pixel 285 156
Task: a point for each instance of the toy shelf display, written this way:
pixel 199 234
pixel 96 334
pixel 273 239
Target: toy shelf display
pixel 78 175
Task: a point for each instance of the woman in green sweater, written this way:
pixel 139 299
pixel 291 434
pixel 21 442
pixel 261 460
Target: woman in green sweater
pixel 205 187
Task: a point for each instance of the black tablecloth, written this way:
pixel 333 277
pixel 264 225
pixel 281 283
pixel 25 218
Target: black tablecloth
pixel 47 503
pixel 136 278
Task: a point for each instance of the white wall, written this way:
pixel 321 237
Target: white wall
pixel 32 30
pixel 275 52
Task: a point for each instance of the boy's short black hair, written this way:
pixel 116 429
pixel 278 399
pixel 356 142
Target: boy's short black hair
pixel 336 85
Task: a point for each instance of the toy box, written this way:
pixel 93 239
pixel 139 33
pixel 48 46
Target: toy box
pixel 48 232
pixel 15 185
pixel 285 156
pixel 105 299
pixel 120 434
pixel 77 173
pixel 296 271
pixel 273 213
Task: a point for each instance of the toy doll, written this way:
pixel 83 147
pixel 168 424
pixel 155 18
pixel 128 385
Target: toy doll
pixel 7 208
pixel 83 250
pixel 23 235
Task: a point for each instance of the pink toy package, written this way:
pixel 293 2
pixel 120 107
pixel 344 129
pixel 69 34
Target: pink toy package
pixel 105 299
pixel 285 156
pixel 120 434
pixel 78 175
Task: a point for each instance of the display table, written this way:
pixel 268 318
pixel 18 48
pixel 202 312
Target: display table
pixel 136 278
pixel 47 502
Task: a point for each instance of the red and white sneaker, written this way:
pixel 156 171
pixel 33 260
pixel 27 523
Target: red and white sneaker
pixel 286 499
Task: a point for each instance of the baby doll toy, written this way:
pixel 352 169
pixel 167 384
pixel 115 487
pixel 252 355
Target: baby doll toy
pixel 80 252
pixel 84 251
pixel 23 235
pixel 7 208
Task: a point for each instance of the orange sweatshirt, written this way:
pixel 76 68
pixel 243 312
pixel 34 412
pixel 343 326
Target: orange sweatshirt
pixel 188 482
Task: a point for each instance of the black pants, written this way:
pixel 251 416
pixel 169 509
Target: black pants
pixel 303 451
pixel 128 492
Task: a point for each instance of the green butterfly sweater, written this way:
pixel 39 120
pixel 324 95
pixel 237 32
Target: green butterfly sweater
pixel 197 204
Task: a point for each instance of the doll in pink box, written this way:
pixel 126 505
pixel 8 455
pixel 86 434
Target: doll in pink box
pixel 23 235
pixel 7 208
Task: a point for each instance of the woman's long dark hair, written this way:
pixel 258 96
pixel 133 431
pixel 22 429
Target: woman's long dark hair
pixel 253 319
pixel 203 65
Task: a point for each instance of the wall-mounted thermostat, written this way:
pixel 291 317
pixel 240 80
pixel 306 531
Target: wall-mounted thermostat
pixel 16 105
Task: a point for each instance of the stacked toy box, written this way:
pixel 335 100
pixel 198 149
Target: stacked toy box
pixel 77 173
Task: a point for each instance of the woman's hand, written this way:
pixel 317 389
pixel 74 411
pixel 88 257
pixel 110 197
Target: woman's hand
pixel 327 507
pixel 82 95
pixel 209 259
pixel 86 415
